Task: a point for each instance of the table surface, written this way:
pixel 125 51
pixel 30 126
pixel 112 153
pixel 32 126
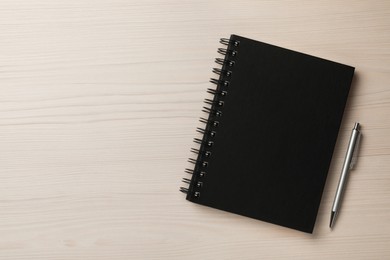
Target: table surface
pixel 99 105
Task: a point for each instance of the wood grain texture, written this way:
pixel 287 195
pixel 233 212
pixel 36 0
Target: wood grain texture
pixel 99 106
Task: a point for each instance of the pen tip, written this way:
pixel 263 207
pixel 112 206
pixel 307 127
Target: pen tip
pixel 332 219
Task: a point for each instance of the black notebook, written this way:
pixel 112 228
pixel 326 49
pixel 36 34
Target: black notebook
pixel 269 133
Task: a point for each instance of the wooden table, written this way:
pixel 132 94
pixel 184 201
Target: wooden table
pixel 99 104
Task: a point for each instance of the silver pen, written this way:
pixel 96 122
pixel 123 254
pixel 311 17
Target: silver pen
pixel 348 164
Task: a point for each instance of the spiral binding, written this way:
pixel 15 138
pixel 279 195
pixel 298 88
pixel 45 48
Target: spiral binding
pixel 209 132
pixel 226 73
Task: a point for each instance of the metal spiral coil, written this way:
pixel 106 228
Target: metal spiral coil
pixel 214 111
pixel 214 123
pixel 224 51
pixel 203 164
pixel 200 174
pixel 220 72
pixel 224 62
pixel 218 103
pixel 228 42
pixel 204 131
pixel 217 92
pixel 203 142
pixel 198 151
pixel 220 82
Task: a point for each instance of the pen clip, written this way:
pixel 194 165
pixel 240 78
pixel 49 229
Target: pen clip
pixel 355 152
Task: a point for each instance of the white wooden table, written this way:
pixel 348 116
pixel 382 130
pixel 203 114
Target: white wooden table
pixel 99 104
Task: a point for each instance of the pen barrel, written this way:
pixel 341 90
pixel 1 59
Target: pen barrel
pixel 346 167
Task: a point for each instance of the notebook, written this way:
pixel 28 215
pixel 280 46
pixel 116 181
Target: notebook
pixel 270 128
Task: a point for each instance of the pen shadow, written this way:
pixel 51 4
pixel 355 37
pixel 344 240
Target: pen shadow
pixel 323 218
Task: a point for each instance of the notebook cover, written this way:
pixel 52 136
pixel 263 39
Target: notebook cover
pixel 276 137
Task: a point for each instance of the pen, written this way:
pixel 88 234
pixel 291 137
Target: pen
pixel 344 173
